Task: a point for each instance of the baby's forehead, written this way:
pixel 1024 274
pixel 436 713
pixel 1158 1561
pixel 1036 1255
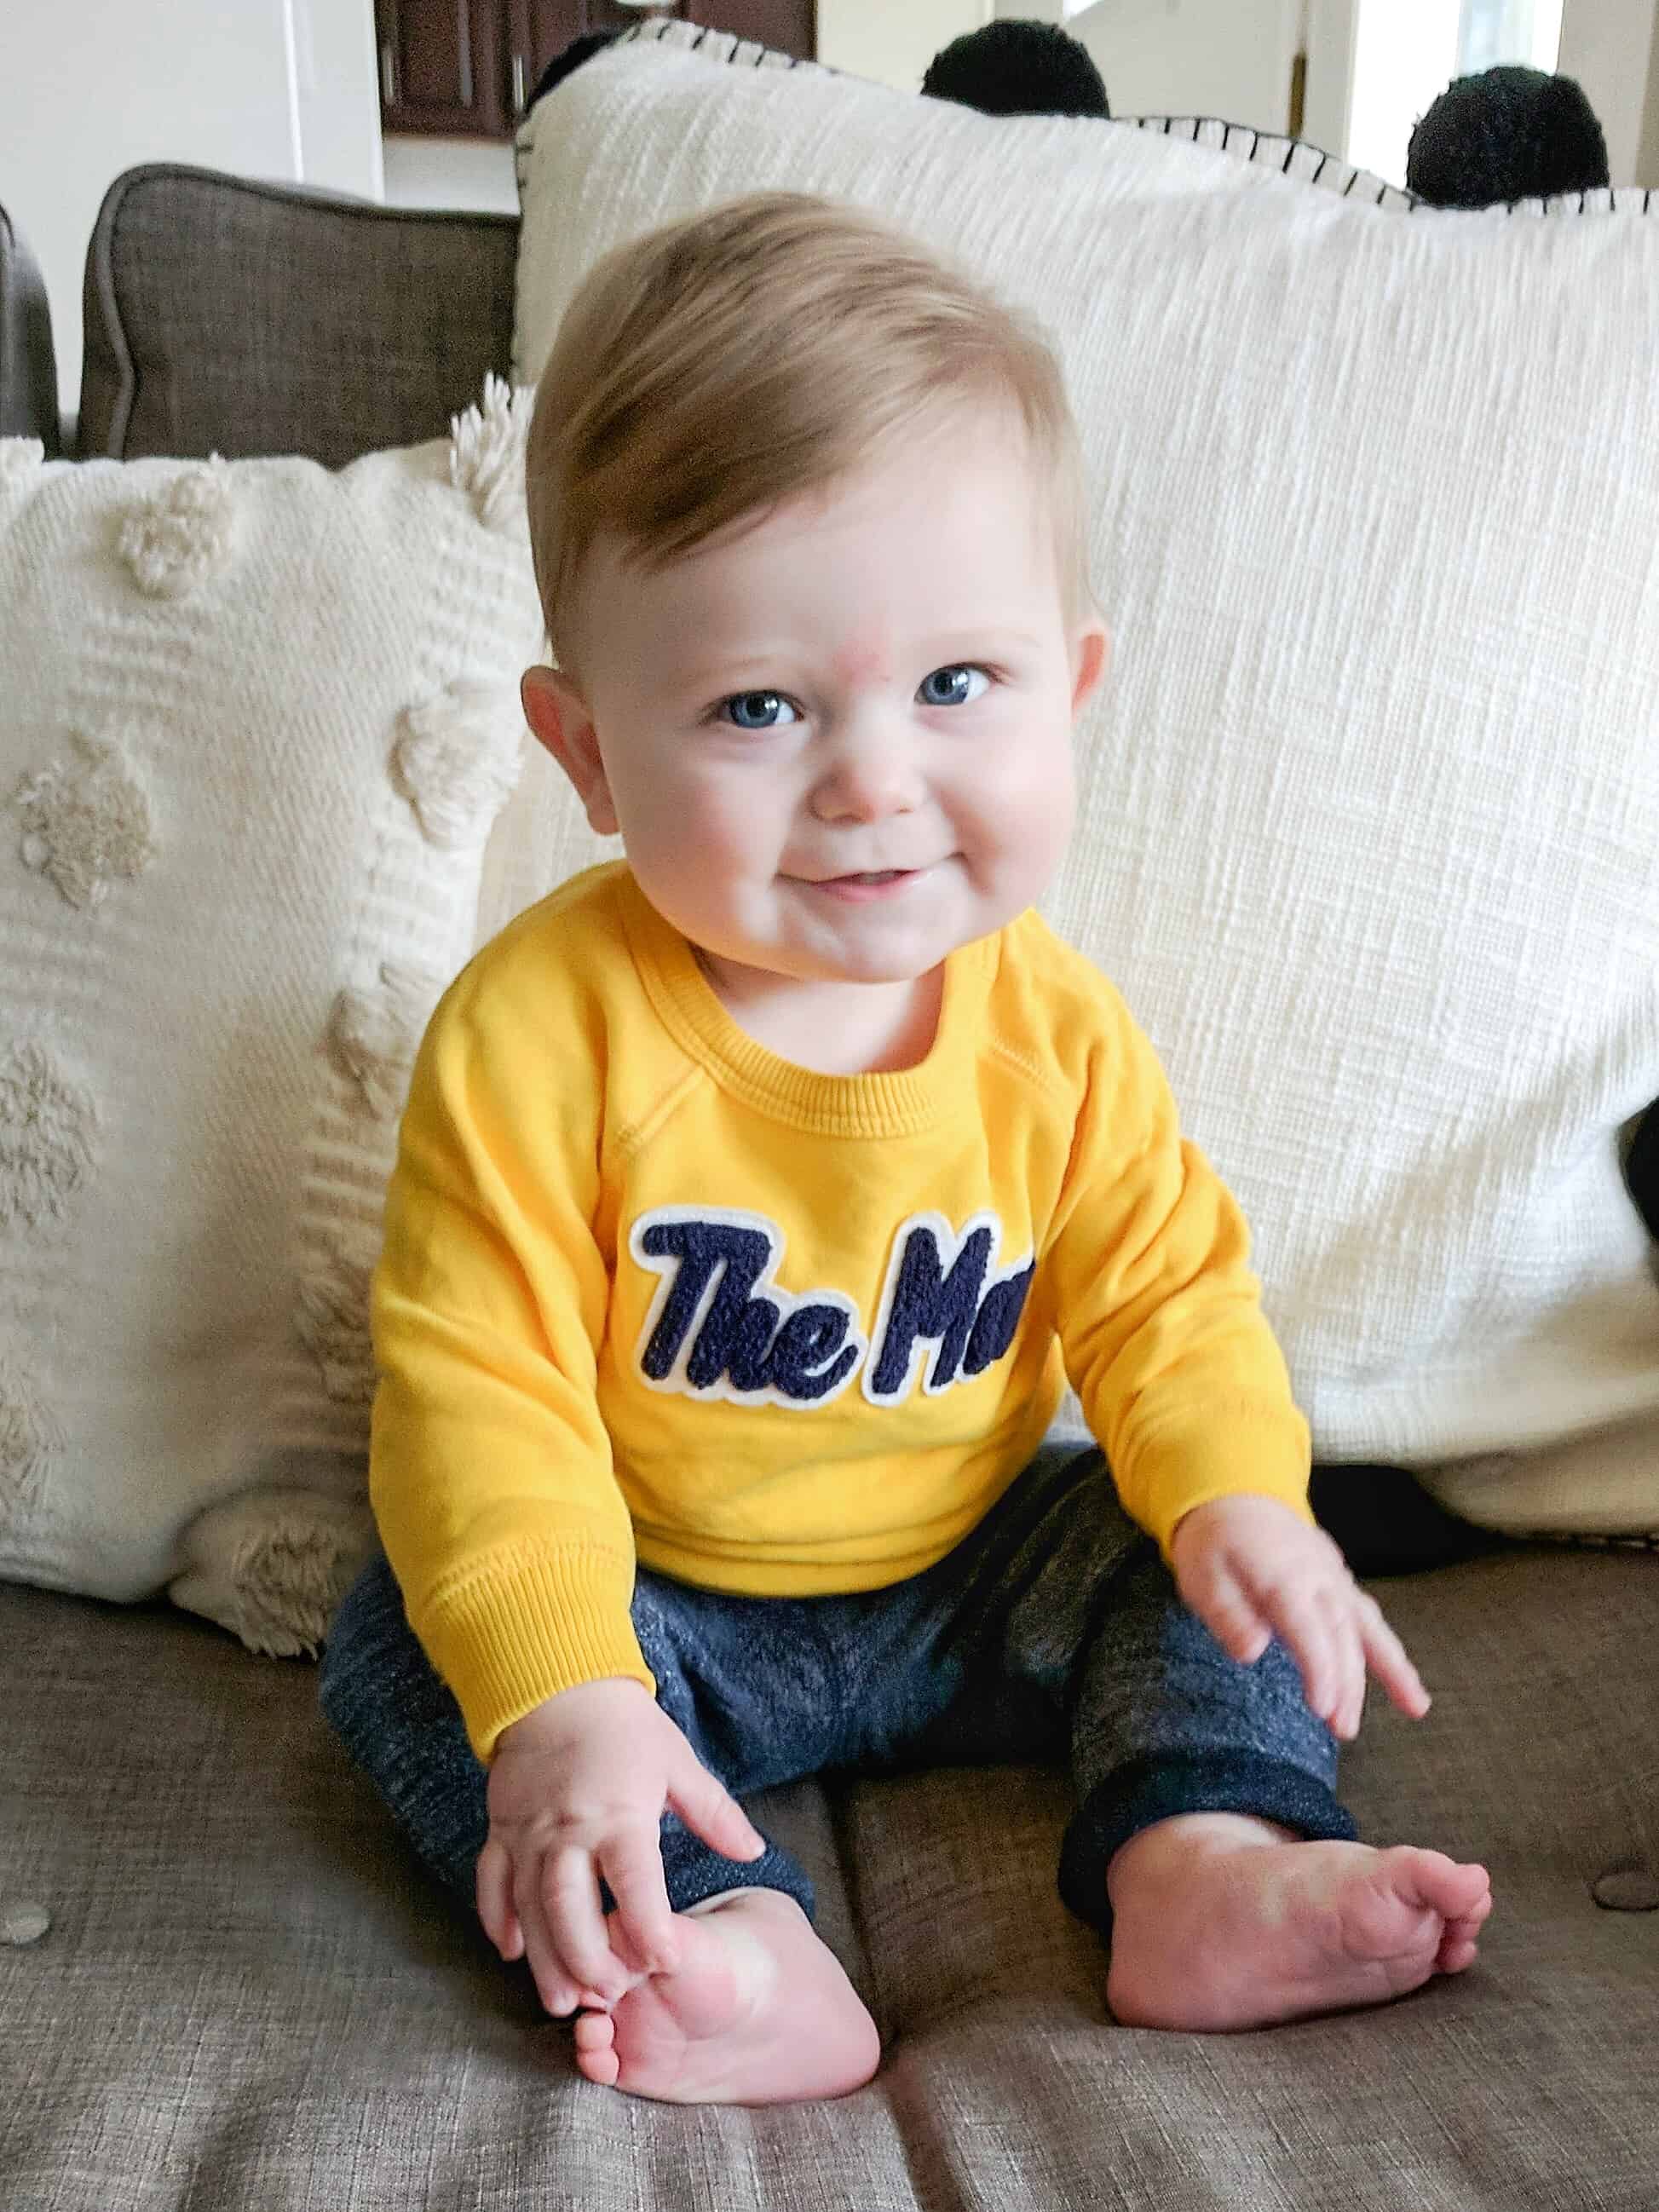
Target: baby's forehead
pixel 965 497
pixel 893 477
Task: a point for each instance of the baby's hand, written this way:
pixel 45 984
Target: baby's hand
pixel 577 1789
pixel 1250 1568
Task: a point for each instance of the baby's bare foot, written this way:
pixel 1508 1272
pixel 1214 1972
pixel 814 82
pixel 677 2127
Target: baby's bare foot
pixel 757 2011
pixel 1220 1922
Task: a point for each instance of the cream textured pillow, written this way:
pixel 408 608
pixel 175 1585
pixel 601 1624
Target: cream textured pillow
pixel 1369 823
pixel 256 721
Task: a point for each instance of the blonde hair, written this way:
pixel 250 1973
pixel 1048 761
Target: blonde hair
pixel 733 359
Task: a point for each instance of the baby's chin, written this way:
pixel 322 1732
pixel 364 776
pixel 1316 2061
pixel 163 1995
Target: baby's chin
pixel 858 944
pixel 769 966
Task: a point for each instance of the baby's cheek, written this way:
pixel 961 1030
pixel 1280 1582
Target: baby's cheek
pixel 690 814
pixel 1028 814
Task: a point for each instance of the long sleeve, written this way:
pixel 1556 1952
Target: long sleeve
pixel 1181 1378
pixel 490 1470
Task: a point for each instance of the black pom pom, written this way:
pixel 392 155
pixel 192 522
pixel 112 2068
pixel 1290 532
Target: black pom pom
pixel 1018 68
pixel 1642 1170
pixel 571 59
pixel 1509 134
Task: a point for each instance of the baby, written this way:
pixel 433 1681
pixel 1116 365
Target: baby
pixel 757 1196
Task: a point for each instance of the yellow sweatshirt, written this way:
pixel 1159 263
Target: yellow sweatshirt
pixel 648 1291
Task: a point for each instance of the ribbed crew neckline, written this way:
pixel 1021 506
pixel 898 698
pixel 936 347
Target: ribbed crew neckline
pixel 894 1103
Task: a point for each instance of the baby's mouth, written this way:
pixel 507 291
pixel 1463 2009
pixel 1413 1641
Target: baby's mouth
pixel 861 875
pixel 864 883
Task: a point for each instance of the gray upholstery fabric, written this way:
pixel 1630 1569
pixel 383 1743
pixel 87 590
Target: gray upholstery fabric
pixel 28 365
pixel 227 317
pixel 248 2002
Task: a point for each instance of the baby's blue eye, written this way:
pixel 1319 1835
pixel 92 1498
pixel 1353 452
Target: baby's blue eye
pixel 952 687
pixel 756 710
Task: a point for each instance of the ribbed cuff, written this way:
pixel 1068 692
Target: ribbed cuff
pixel 693 1871
pixel 516 1633
pixel 1251 1451
pixel 1158 1787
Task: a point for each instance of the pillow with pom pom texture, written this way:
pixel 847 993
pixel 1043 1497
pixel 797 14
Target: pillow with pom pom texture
pixel 258 720
pixel 1368 803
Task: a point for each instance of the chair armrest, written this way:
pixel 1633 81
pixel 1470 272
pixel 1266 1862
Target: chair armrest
pixel 233 317
pixel 29 366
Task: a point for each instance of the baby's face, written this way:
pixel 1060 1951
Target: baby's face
pixel 838 744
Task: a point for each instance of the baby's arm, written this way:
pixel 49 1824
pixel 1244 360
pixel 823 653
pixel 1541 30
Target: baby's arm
pixel 1186 1389
pixel 490 1469
pixel 1159 1311
pixel 1250 1569
pixel 578 1789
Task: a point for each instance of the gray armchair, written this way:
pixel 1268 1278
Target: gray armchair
pixel 225 316
pixel 29 366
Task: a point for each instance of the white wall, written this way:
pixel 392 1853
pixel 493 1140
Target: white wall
pixel 450 173
pixel 1405 55
pixel 892 42
pixel 1612 47
pixel 281 88
pixel 1227 57
pixel 338 95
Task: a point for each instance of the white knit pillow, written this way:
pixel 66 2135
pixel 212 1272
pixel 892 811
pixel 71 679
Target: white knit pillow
pixel 255 722
pixel 1370 830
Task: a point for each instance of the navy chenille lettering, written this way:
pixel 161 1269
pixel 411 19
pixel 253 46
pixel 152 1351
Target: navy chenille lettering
pixel 930 1303
pixel 704 1249
pixel 722 1326
pixel 760 1343
pixel 998 1317
pixel 812 1334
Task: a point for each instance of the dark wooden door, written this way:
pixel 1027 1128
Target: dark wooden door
pixel 444 67
pixel 544 29
pixel 790 26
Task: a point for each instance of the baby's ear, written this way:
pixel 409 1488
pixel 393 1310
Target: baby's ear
pixel 558 718
pixel 1091 653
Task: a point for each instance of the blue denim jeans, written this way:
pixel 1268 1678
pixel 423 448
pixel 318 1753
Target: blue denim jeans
pixel 1053 1631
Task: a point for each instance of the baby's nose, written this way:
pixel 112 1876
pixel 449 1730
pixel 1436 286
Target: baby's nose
pixel 870 774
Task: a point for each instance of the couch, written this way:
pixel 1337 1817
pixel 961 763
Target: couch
pixel 246 1998
pixel 28 363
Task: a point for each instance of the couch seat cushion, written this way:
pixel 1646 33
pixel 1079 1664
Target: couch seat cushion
pixel 248 2000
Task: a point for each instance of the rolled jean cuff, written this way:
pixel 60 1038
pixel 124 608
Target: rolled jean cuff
pixel 692 1871
pixel 1158 1787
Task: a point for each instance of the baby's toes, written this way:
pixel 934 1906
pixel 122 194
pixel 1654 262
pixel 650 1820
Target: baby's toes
pixel 1429 1881
pixel 1461 1942
pixel 1455 1952
pixel 1460 1891
pixel 596 2052
pixel 1398 1908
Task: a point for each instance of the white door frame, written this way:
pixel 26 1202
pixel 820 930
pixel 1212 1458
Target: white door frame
pixel 1330 36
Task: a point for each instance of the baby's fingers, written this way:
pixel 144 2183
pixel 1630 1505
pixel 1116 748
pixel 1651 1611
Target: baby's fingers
pixel 1349 1708
pixel 573 1941
pixel 710 1812
pixel 498 1916
pixel 492 1888
pixel 1388 1659
pixel 1309 1631
pixel 1230 1615
pixel 633 1867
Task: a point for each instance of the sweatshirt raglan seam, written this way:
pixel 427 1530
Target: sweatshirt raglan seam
pixel 632 1140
